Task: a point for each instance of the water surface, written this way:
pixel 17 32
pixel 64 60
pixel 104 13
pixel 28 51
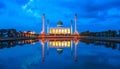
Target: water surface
pixel 31 54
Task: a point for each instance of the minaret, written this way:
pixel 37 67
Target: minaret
pixel 76 57
pixel 71 48
pixel 75 17
pixel 47 26
pixel 71 25
pixel 47 48
pixel 43 44
pixel 43 21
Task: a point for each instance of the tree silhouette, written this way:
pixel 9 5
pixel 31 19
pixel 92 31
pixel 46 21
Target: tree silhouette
pixel 119 33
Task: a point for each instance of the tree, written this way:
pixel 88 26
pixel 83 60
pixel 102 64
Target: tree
pixel 109 33
pixel 114 33
pixel 3 32
pixel 119 33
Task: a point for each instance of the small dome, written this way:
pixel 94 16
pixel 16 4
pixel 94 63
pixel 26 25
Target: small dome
pixel 59 51
pixel 59 23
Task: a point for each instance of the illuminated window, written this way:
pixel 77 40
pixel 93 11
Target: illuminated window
pixel 57 31
pixel 68 31
pixel 60 43
pixel 69 43
pixel 63 31
pixel 57 43
pixel 50 31
pixel 53 43
pixel 60 31
pixel 53 31
pixel 65 43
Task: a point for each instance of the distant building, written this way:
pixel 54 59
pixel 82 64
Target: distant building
pixel 8 33
pixel 12 33
pixel 3 33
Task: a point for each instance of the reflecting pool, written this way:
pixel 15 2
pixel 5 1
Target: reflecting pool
pixel 38 54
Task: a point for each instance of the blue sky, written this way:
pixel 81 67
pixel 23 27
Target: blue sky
pixel 93 15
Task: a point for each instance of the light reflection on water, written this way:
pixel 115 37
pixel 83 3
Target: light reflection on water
pixel 34 54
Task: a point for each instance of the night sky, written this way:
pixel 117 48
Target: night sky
pixel 93 15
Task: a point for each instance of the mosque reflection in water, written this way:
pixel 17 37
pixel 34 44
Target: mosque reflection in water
pixel 60 46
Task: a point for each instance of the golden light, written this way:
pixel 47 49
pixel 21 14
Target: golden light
pixel 57 31
pixel 53 43
pixel 60 31
pixel 69 43
pixel 50 31
pixel 65 43
pixel 68 30
pixel 63 31
pixel 60 43
pixel 57 44
pixel 50 43
pixel 53 31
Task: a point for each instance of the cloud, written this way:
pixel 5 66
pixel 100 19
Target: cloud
pixel 89 12
pixel 2 5
pixel 91 8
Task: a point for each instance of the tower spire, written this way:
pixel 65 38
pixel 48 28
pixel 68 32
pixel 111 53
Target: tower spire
pixel 71 25
pixel 75 18
pixel 43 21
pixel 76 43
pixel 48 26
pixel 43 44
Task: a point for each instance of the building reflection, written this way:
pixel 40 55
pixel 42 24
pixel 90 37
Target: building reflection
pixel 9 44
pixel 107 44
pixel 73 45
pixel 59 46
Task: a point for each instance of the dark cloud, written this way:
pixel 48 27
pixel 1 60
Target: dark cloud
pixel 92 8
pixel 2 5
pixel 91 5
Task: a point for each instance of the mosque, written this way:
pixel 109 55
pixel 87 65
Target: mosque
pixel 59 30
